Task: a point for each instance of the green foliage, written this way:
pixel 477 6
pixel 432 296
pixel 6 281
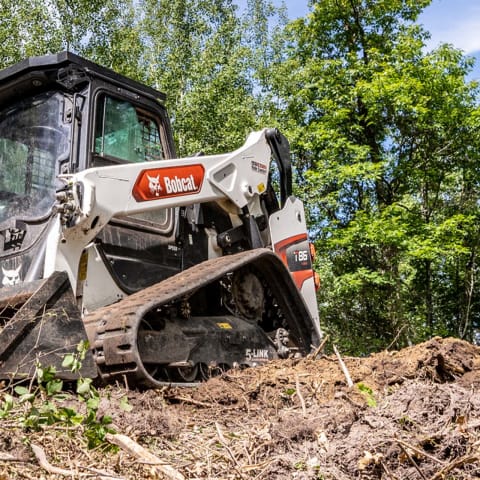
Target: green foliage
pixel 386 139
pixel 39 27
pixel 44 403
pixel 7 405
pixel 124 404
pixel 368 393
pixel 202 55
pixel 73 361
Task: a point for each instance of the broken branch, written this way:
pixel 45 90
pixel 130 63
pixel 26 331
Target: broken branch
pixel 343 367
pixel 141 453
pixel 44 463
pixel 315 354
pixel 455 464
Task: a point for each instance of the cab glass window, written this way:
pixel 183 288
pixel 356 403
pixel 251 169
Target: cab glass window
pixel 126 132
pixel 34 141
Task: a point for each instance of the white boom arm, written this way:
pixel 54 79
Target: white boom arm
pixel 94 196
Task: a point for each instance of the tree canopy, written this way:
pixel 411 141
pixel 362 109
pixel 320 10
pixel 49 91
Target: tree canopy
pixel 386 137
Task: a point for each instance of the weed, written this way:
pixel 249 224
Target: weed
pixel 368 393
pixel 44 403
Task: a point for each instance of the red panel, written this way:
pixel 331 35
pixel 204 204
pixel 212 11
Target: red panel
pixel 156 183
pixel 302 268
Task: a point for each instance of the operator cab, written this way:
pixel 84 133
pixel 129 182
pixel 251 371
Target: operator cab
pixel 62 114
pixel 46 128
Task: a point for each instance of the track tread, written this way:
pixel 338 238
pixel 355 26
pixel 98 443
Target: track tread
pixel 117 324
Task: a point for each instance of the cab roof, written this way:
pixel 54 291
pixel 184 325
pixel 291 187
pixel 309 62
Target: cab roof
pixel 66 69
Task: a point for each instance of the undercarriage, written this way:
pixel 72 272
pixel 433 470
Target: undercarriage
pixel 194 324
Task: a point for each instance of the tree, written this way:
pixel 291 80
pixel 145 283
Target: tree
pixel 195 55
pixel 386 141
pixel 113 38
pixel 199 53
pixel 86 27
pixel 25 30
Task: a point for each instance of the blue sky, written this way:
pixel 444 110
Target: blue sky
pixel 448 21
pixel 456 22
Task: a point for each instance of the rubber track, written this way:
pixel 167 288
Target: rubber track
pixel 112 330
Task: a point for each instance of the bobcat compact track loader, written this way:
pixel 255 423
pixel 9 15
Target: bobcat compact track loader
pixel 172 269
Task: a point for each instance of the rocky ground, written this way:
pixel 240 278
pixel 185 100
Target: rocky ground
pixel 411 414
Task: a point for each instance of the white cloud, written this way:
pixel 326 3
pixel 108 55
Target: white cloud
pixel 453 21
pixel 464 35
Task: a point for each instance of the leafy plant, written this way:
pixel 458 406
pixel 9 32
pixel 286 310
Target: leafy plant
pixel 43 402
pixel 368 393
pixel 74 360
pixel 6 406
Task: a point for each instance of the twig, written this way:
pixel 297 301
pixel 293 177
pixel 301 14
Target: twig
pixel 224 443
pixel 102 474
pixel 194 402
pixel 419 451
pixel 300 396
pixel 455 464
pixel 43 462
pixel 389 474
pixel 125 383
pixel 257 466
pixel 7 457
pixel 412 461
pixel 318 387
pixel 343 367
pixel 202 404
pixel 141 453
pixel 396 337
pixel 314 355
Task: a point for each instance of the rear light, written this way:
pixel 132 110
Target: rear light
pixel 313 256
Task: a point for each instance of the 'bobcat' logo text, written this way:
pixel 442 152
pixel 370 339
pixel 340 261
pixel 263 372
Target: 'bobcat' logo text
pixel 157 183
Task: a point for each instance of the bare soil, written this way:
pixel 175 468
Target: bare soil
pixel 411 414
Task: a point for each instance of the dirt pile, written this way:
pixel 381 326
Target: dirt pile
pixel 410 414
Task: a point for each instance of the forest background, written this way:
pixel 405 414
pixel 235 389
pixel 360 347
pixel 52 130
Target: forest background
pixel 384 134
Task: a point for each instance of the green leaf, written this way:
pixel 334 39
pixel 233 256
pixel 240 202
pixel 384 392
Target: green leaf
pixel 106 420
pixel 45 374
pixel 28 397
pixel 70 416
pixel 92 403
pixel 54 386
pixel 7 401
pixel 68 360
pixel 19 390
pixel 368 394
pixel 84 386
pixel 82 349
pixel 125 405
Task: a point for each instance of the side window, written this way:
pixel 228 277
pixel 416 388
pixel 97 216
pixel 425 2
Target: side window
pixel 126 132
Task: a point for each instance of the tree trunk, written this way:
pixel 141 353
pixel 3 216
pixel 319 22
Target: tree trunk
pixel 428 297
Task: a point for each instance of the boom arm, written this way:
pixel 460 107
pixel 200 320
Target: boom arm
pixel 92 197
